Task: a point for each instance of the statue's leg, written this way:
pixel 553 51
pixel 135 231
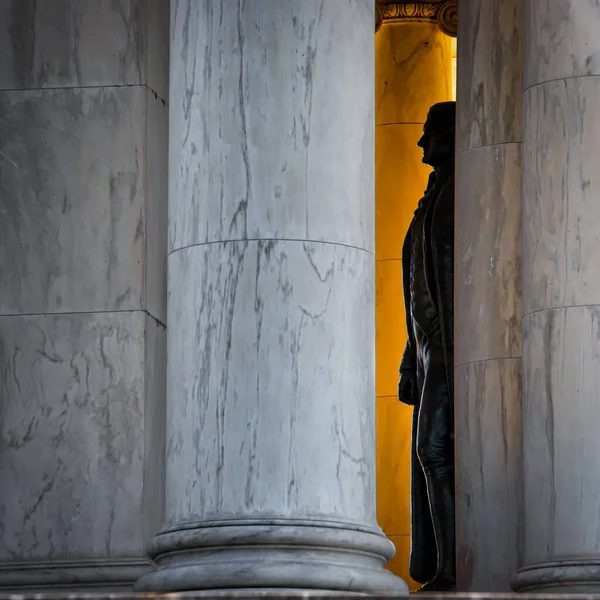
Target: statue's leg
pixel 435 449
pixel 423 549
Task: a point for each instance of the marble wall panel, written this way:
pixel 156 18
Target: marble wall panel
pixel 72 178
pixel 271 382
pixel 58 43
pixel 415 71
pixel 561 378
pixel 488 476
pixel 489 82
pixel 562 40
pixel 487 318
pixel 231 177
pixel 561 183
pixel 71 436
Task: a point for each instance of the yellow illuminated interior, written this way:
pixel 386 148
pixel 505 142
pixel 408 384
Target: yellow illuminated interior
pixel 415 67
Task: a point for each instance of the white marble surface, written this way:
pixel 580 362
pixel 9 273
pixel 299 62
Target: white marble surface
pixel 489 473
pixel 71 459
pixel 272 122
pixel 561 40
pixel 270 384
pixel 72 175
pixel 561 182
pixel 83 177
pixel 488 254
pixel 561 378
pixel 81 43
pixel 489 78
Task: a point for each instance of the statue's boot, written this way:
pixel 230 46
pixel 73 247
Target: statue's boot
pixel 440 489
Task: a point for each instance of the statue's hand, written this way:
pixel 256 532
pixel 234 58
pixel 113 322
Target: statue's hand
pixel 407 389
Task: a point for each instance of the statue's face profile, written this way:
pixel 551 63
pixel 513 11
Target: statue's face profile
pixel 437 140
pixel 437 145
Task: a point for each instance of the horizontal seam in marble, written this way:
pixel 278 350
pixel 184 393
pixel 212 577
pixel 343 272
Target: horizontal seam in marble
pixel 486 360
pixel 271 240
pixel 488 146
pixel 541 310
pixel 86 87
pixel 558 79
pixel 388 259
pixel 82 312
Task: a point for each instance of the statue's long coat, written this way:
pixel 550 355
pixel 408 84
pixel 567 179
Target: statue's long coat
pixel 439 253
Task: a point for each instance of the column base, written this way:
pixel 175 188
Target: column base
pixel 575 576
pixel 269 555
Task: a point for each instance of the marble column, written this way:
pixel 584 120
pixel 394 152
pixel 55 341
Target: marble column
pixel 83 166
pixel 487 353
pixel 561 298
pixel 413 71
pixel 270 475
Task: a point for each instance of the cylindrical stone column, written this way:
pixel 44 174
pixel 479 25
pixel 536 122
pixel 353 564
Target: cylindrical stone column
pixel 561 298
pixel 83 244
pixel 413 62
pixel 271 397
pixel 487 351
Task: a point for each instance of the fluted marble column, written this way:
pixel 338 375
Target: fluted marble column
pixel 488 293
pixel 413 71
pixel 271 398
pixel 561 298
pixel 83 180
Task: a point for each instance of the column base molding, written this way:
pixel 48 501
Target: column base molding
pixel 262 555
pixel 572 576
pixel 54 576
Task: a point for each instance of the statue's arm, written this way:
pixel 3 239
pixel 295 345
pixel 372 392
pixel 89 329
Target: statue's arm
pixel 407 384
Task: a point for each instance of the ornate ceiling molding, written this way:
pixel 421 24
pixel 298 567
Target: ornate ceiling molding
pixel 443 12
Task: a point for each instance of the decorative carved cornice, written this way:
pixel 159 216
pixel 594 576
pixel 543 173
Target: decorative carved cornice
pixel 444 13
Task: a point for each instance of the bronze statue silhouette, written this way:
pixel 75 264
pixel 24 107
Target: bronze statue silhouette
pixel 426 371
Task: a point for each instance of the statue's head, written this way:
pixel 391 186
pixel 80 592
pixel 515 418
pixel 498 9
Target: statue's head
pixel 437 140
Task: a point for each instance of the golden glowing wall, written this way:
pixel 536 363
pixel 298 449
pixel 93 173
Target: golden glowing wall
pixel 413 71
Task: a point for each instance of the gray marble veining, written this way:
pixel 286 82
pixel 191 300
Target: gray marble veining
pixel 488 254
pixel 561 378
pixel 562 40
pixel 488 289
pixel 58 43
pixel 561 183
pixel 71 431
pixel 270 383
pixel 489 79
pixel 272 122
pixel 83 238
pixel 489 475
pixel 84 201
